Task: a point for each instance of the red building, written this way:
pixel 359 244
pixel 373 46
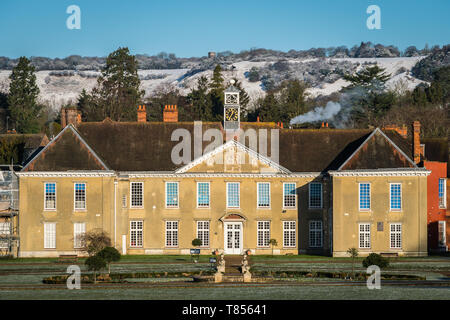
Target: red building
pixel 437 206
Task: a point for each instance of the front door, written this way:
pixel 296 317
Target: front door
pixel 233 237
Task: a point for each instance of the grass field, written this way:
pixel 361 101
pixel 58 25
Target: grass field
pixel 22 279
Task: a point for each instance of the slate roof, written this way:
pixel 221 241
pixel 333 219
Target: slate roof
pixel 134 146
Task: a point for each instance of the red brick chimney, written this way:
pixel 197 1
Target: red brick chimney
pixel 70 115
pixel 141 114
pixel 170 113
pixel 416 141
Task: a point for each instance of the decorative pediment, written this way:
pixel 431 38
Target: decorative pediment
pixel 233 157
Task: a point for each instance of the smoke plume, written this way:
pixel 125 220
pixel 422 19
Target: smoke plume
pixel 319 113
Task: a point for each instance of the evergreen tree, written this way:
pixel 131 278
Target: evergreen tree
pixel 200 101
pixel 216 94
pixel 269 109
pixel 292 99
pixel 244 98
pixel 371 78
pixel 22 98
pixel 117 93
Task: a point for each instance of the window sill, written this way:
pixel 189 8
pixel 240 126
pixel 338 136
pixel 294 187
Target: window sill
pixel 136 208
pixel 396 211
pixel 50 210
pixel 80 211
pixel 315 208
pixel 289 208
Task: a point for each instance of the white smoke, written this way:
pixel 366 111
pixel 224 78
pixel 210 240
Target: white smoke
pixel 319 113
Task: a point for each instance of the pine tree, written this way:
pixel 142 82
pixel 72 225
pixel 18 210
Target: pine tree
pixel 200 101
pixel 269 109
pixel 292 99
pixel 216 94
pixel 22 98
pixel 371 78
pixel 117 93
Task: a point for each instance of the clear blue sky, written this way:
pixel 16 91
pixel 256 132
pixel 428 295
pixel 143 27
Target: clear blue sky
pixel 194 27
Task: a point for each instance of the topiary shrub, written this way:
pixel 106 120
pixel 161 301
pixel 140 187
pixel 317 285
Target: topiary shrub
pixel 375 259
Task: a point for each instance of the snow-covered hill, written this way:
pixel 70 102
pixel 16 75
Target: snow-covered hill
pixel 323 75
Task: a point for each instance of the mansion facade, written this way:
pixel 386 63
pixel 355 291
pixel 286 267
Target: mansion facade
pixel 321 191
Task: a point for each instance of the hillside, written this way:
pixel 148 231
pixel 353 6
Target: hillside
pixel 323 75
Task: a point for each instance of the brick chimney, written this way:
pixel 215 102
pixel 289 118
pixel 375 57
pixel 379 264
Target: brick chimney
pixel 141 114
pixel 170 113
pixel 416 141
pixel 70 115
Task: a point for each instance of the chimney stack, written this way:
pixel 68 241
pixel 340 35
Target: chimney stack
pixel 170 113
pixel 70 115
pixel 416 141
pixel 141 114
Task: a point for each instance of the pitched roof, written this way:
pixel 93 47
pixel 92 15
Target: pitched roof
pixel 134 146
pixel 378 152
pixel 67 151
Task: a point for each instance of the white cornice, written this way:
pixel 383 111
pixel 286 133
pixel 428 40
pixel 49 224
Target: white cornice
pixel 56 174
pixel 381 173
pixel 219 175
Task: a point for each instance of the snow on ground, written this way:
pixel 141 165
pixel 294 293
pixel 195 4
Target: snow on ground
pixel 59 90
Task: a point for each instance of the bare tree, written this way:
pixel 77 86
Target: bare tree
pixel 94 241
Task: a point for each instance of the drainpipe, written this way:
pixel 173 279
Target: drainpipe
pixel 115 212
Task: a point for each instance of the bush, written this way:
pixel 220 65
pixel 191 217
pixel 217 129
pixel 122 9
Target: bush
pixel 109 254
pixel 375 259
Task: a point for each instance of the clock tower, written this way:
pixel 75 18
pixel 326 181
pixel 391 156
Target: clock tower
pixel 231 108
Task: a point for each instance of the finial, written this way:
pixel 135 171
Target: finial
pixel 232 82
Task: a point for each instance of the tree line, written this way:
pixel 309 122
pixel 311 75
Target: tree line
pixel 118 93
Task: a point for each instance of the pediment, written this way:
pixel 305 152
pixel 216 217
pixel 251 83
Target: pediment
pixel 233 157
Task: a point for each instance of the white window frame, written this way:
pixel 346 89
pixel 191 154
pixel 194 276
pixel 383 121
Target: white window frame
pixel 202 231
pixel 5 229
pixel 295 196
pixel 258 205
pixel 366 234
pixel 239 195
pixel 139 226
pixel 262 234
pixel 315 230
pixel 321 195
pixel 209 195
pixel 444 205
pixel 79 228
pixel 174 231
pixel 45 196
pixel 390 197
pixel 75 196
pixel 359 196
pixel 395 233
pixel 290 231
pixel 177 206
pixel 442 224
pixel 49 235
pixel 131 195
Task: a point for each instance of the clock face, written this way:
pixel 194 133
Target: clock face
pixel 231 114
pixel 231 98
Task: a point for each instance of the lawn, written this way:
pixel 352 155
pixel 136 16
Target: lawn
pixel 22 279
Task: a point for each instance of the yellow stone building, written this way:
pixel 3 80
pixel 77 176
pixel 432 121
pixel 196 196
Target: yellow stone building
pixel 155 186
